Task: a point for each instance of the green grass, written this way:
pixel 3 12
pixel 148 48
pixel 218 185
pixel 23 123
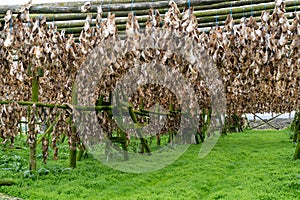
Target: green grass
pixel 249 165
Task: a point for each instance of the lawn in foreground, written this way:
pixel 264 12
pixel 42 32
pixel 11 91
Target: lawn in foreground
pixel 249 165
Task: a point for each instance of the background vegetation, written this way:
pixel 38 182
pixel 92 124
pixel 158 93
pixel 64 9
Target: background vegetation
pixel 250 165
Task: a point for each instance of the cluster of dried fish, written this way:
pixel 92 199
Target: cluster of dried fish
pixel 41 50
pixel 24 53
pixel 14 80
pixel 259 62
pixel 8 127
pixel 176 45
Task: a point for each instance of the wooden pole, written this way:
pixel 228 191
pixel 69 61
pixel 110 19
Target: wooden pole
pixel 144 142
pixel 69 17
pixel 297 131
pixel 120 128
pixel 144 5
pixel 293 128
pixel 142 112
pixel 64 106
pixel 6 182
pixel 32 151
pixel 202 8
pixel 266 122
pixel 74 7
pixel 73 143
pixel 48 131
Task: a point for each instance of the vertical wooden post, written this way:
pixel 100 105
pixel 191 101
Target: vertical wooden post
pixel 73 145
pixel 20 129
pixel 224 128
pixel 170 139
pixel 293 127
pixel 34 98
pixel 297 132
pixel 120 128
pixel 206 123
pixel 139 131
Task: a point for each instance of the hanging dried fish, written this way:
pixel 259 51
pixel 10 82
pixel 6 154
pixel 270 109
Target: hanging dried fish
pixel 99 15
pixel 8 16
pixel 259 63
pixel 86 6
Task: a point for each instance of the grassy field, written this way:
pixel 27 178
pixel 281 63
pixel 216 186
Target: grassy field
pixel 249 165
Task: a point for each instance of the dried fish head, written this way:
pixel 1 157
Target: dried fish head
pixel 8 16
pixel 86 6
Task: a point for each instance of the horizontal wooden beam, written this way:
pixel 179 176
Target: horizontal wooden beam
pixel 242 9
pixel 207 12
pixel 119 5
pixel 143 112
pixel 64 106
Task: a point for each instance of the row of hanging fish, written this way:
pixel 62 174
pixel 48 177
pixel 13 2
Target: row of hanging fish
pixel 130 58
pixel 257 64
pixel 42 50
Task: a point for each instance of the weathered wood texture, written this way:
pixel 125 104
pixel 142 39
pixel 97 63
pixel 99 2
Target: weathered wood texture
pixel 209 12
